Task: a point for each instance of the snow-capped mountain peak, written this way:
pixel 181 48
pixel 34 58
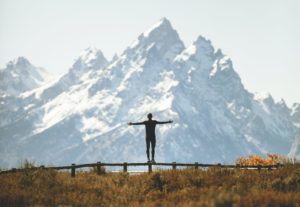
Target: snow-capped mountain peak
pixel 20 76
pixel 90 58
pixel 163 25
pixel 264 97
pixel 90 54
pixel 19 65
pixel 20 62
pixel 199 50
pixel 203 47
pixel 202 42
pixel 161 39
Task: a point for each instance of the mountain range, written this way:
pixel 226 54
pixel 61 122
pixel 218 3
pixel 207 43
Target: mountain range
pixel 82 115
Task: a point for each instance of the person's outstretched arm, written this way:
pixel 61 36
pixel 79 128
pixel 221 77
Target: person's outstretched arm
pixel 164 122
pixel 136 123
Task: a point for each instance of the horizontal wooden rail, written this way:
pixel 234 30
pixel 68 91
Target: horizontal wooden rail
pixel 125 166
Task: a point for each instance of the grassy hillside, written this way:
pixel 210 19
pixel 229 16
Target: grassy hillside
pixel 212 187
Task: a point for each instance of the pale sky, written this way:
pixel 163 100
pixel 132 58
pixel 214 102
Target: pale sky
pixel 260 36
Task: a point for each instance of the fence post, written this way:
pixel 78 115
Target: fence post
pixel 98 168
pixel 196 165
pixel 149 167
pixel 174 165
pixel 73 171
pixel 278 165
pixel 125 167
pixel 259 168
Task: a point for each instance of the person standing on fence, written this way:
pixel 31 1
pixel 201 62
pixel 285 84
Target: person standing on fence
pixel 150 134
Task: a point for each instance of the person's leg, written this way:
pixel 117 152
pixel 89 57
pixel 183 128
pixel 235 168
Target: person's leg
pixel 148 148
pixel 153 143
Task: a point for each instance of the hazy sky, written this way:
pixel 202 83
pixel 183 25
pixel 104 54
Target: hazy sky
pixel 260 36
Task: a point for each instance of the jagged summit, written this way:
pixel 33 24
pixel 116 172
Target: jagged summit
pixel 19 62
pixel 85 54
pixel 201 47
pixel 264 97
pixel 163 25
pixel 202 42
pixel 219 53
pixel 93 57
pixel 20 76
pixel 90 59
pixel 161 39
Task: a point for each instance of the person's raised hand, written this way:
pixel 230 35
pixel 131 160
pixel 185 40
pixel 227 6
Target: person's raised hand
pixel 171 121
pixel 129 123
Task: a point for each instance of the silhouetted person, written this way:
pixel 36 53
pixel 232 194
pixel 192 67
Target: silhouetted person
pixel 150 133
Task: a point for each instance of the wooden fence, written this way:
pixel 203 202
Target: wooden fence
pixel 125 166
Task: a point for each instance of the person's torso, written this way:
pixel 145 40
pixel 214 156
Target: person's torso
pixel 150 128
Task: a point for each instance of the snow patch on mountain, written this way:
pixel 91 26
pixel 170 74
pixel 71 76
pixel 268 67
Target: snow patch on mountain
pixel 294 153
pixel 295 113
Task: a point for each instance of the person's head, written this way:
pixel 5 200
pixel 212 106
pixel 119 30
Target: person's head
pixel 149 116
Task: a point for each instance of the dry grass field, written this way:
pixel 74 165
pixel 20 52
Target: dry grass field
pixel 212 187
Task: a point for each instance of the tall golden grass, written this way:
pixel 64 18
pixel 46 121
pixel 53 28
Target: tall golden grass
pixel 212 187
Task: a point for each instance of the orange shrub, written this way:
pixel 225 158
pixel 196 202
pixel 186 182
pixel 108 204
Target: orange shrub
pixel 272 159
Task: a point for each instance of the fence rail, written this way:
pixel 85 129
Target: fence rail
pixel 125 166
